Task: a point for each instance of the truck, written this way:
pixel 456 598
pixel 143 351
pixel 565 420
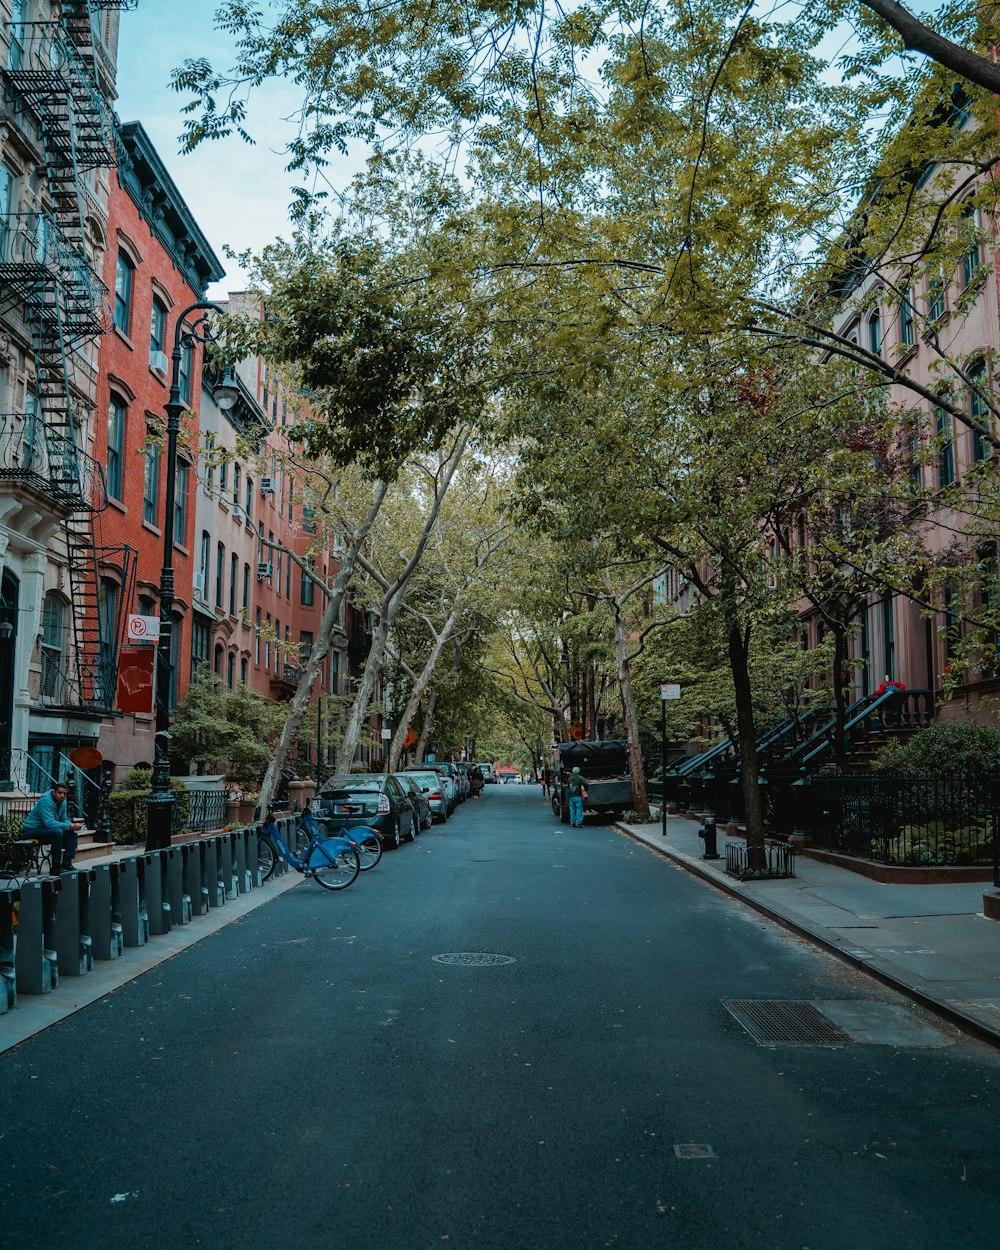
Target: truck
pixel 604 766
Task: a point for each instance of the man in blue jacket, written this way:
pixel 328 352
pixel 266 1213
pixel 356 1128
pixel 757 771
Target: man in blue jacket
pixel 49 823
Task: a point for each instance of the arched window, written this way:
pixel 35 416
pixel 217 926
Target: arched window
pixel 124 280
pixel 219 651
pixel 875 333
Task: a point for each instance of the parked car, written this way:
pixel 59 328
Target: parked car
pixel 489 775
pixel 374 799
pixel 423 817
pixel 460 775
pixel 445 779
pixel 433 789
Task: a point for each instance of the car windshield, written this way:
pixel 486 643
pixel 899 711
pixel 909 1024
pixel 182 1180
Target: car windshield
pixel 423 779
pixel 340 784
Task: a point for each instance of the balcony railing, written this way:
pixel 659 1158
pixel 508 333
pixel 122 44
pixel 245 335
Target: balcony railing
pixel 50 463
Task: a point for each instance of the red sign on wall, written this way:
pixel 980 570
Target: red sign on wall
pixel 135 680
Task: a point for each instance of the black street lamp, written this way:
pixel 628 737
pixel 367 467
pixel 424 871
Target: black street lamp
pixel 160 804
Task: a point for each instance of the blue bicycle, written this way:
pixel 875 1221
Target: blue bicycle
pixel 333 863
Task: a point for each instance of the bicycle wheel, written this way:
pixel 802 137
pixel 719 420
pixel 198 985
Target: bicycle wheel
pixel 266 858
pixel 369 848
pixel 334 869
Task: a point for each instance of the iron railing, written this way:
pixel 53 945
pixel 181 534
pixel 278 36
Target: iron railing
pixel 904 820
pixel 777 860
pixel 197 811
pixel 50 463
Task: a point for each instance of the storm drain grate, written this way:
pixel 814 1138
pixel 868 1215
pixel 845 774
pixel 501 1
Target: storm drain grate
pixel 785 1022
pixel 473 959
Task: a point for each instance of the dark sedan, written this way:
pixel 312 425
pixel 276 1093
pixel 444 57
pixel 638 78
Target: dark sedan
pixel 420 801
pixel 373 799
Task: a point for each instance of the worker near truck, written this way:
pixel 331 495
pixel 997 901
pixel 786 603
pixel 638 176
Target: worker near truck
pixel 576 789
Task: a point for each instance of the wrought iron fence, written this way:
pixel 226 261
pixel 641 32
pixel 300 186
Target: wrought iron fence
pixel 778 860
pixel 906 820
pixel 194 811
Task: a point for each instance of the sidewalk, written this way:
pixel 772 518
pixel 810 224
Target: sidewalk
pixel 931 942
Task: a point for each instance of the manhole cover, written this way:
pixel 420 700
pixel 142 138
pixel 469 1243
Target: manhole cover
pixel 786 1022
pixel 473 959
pixel 693 1150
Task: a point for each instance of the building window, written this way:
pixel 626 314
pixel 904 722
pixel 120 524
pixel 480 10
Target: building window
pixel 249 500
pixel 952 623
pixel 243 671
pixel 972 258
pixel 107 626
pixel 308 591
pixel 220 572
pixel 246 588
pixel 53 645
pixel 230 670
pixel 980 415
pixel 267 643
pixel 181 502
pixel 116 446
pixel 946 449
pixel 907 335
pixel 875 333
pixel 935 299
pixel 219 653
pixel 277 584
pixel 184 373
pixel 157 332
pixel 305 646
pixel 151 483
pixel 223 478
pixel 236 485
pixel 234 571
pixel 256 640
pixel 889 637
pixel 124 281
pixel 201 643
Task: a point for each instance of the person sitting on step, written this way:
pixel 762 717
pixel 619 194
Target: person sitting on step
pixel 49 822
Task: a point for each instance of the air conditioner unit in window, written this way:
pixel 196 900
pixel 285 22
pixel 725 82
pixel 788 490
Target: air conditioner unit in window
pixel 267 486
pixel 199 584
pixel 158 361
pixel 237 512
pixel 264 570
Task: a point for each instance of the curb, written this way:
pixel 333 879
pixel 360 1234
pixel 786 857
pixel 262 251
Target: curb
pixel 945 1010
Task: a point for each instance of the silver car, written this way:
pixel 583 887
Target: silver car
pixel 435 787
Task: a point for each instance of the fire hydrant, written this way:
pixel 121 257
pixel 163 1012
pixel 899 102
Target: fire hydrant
pixel 708 833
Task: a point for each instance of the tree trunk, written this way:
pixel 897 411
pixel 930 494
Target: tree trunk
pixel 425 731
pixel 640 796
pixel 300 700
pixel 373 670
pixel 419 686
pixel 739 648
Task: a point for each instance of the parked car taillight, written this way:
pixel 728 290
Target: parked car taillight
pixel 435 795
pixel 383 805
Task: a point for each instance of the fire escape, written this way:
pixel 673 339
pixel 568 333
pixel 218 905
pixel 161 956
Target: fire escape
pixel 52 77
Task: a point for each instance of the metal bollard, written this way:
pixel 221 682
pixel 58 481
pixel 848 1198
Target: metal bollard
pixel 227 866
pixel 132 897
pixel 36 962
pixel 157 900
pixel 73 941
pixel 192 873
pixel 709 833
pixel 8 981
pixel 240 854
pixel 106 911
pixel 180 902
pixel 210 878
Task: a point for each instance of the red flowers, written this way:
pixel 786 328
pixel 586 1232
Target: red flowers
pixel 886 686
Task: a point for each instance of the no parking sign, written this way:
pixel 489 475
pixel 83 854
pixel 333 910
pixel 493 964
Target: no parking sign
pixel 143 628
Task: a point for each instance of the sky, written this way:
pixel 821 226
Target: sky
pixel 238 195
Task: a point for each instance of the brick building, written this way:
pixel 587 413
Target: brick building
pixel 156 265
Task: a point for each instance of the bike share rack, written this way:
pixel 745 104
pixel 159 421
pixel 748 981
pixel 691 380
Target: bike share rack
pixel 52 927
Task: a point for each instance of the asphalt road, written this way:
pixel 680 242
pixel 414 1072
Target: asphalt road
pixel 311 1076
